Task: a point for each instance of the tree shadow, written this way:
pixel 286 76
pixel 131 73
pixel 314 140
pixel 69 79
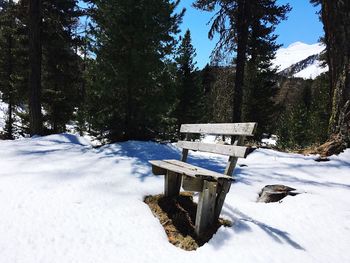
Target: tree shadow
pixel 241 224
pixel 142 152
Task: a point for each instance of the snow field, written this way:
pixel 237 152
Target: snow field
pixel 63 201
pixel 296 52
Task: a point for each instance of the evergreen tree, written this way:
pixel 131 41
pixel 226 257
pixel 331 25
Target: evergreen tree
pixel 188 90
pixel 130 76
pixel 61 73
pixel 260 77
pixel 207 79
pixel 7 60
pixel 241 24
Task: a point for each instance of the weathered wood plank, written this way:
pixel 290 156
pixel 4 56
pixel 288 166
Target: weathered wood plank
pixel 246 129
pixel 206 208
pixel 230 150
pixel 192 184
pixel 172 184
pixel 189 169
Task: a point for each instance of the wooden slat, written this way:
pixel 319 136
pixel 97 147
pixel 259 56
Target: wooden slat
pixel 230 150
pixel 246 129
pixel 201 172
pixel 188 169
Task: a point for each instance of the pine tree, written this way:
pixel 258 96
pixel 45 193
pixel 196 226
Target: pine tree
pixel 188 90
pixel 238 22
pixel 232 23
pixel 260 77
pixel 130 75
pixel 7 60
pixel 61 72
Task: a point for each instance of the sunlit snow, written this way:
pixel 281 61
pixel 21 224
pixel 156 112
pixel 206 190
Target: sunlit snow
pixel 64 201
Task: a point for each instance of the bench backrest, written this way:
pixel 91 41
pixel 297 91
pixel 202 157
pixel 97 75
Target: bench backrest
pixel 237 130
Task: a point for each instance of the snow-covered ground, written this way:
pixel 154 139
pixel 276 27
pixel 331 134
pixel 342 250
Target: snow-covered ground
pixel 63 201
pixel 296 52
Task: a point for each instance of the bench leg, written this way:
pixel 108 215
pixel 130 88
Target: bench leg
pixel 172 184
pixel 206 207
pixel 225 188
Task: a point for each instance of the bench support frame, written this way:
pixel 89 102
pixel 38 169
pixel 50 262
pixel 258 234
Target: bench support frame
pixel 206 207
pixel 172 184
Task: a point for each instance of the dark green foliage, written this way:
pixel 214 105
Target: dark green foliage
pixel 188 108
pixel 131 85
pixel 260 76
pixel 61 74
pixel 305 121
pixel 13 63
pixel 247 28
pixel 60 66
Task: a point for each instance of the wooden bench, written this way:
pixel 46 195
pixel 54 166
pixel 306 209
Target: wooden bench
pixel 212 186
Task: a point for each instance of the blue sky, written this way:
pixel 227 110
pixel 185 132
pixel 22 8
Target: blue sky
pixel 302 25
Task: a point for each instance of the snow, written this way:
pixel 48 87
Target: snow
pixel 64 201
pixel 312 71
pixel 296 52
pixel 269 141
pixel 3 110
pixel 286 57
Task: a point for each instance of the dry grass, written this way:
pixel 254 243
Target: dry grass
pixel 177 215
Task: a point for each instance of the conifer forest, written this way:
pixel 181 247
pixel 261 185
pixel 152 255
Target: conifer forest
pixel 123 70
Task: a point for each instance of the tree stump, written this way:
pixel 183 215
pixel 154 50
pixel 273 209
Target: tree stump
pixel 274 193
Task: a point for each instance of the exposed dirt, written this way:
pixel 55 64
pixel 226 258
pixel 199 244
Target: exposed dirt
pixel 332 146
pixel 177 215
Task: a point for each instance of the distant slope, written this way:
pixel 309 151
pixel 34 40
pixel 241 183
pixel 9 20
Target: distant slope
pixel 300 60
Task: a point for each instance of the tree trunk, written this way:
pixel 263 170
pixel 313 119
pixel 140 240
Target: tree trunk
pixel 336 20
pixel 242 42
pixel 9 124
pixel 35 54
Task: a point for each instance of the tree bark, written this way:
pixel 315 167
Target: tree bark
pixel 35 55
pixel 9 124
pixel 336 20
pixel 242 42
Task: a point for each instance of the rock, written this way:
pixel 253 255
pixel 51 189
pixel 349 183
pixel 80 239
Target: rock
pixel 322 159
pixel 274 193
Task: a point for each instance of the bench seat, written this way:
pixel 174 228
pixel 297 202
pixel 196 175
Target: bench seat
pixel 160 167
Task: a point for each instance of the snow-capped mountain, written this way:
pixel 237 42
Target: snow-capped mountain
pixel 300 60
